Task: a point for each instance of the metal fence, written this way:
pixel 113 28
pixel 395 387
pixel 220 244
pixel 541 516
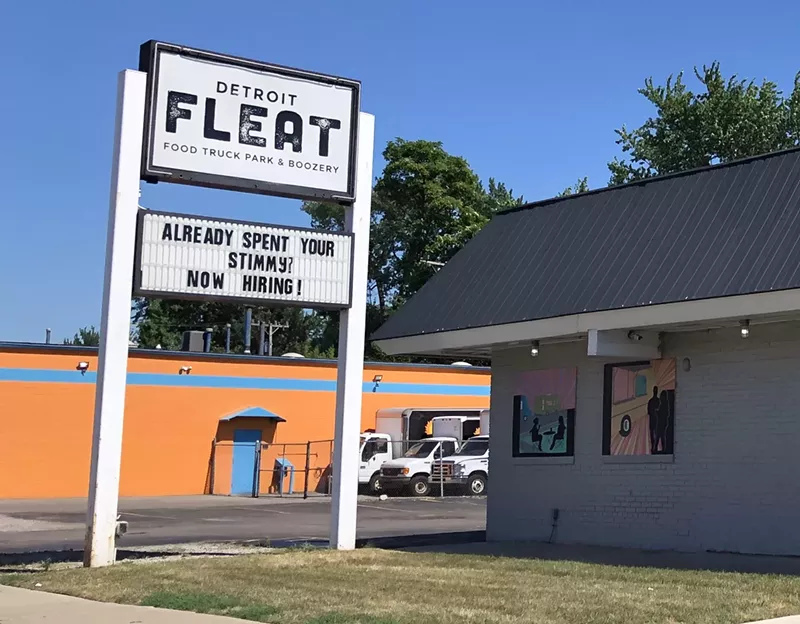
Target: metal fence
pixel 302 468
pixel 277 469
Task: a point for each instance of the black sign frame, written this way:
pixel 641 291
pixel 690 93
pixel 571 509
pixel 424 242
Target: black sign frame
pixel 149 54
pixel 138 291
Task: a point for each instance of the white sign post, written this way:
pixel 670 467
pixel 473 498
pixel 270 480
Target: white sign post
pixel 115 325
pixel 207 119
pixel 350 369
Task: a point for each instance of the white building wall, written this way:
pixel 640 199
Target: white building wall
pixel 733 483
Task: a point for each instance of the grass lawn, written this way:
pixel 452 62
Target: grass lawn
pixel 382 587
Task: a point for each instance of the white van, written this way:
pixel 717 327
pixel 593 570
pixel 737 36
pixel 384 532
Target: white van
pixel 395 429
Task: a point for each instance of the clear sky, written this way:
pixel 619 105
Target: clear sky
pixel 528 92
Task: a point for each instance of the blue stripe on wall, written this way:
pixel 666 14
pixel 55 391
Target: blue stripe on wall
pixel 244 383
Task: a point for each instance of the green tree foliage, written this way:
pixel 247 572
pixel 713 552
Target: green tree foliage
pixel 425 206
pixel 581 186
pixel 162 322
pixel 85 337
pixel 729 119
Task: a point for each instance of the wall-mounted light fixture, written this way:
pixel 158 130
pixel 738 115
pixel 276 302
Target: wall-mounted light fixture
pixel 635 336
pixel 535 348
pixel 687 364
pixel 82 367
pixel 377 379
pixel 744 328
pixel 185 370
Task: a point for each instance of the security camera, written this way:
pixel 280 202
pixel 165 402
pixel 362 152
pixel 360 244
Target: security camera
pixel 185 370
pixel 82 367
pixel 632 335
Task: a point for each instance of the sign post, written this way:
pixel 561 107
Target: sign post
pixel 350 369
pixel 208 119
pixel 115 326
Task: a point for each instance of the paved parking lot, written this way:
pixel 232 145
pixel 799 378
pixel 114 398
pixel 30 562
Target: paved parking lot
pixel 52 525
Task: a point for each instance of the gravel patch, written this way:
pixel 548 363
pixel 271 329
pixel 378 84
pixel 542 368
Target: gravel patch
pixel 10 524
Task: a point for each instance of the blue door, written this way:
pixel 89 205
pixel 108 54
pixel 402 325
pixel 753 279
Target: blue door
pixel 243 472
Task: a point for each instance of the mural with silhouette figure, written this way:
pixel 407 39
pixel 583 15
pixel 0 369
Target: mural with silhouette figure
pixel 640 408
pixel 544 412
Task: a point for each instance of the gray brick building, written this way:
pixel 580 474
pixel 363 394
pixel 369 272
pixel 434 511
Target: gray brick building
pixel 645 346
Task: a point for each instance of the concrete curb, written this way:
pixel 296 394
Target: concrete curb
pixel 24 606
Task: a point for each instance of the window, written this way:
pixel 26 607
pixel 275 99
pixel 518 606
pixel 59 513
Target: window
pixel 473 448
pixel 369 450
pixel 544 413
pixel 420 449
pixel 641 385
pixel 470 428
pixel 372 448
pixel 642 421
pixel 448 448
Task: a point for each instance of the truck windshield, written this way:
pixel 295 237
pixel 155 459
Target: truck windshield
pixel 474 447
pixel 421 449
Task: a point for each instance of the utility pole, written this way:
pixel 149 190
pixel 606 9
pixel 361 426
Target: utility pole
pixel 274 327
pixel 248 322
pixel 435 264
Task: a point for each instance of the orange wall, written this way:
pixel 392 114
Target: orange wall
pixel 46 411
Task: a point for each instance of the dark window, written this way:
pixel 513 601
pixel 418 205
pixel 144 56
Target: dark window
pixel 372 448
pixel 421 449
pixel 473 448
pixel 641 422
pixel 542 433
pixel 470 428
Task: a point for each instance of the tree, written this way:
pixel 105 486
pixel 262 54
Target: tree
pixel 162 322
pixel 730 119
pixel 425 206
pixel 85 337
pixel 581 186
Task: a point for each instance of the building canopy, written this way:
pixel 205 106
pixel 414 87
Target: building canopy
pixel 718 232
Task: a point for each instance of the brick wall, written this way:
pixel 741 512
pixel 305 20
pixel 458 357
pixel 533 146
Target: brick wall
pixel 733 483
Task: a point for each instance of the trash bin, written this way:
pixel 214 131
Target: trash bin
pixel 284 468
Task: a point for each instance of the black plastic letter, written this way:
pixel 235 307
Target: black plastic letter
pixel 325 124
pixel 175 112
pixel 246 125
pixel 208 130
pixel 295 136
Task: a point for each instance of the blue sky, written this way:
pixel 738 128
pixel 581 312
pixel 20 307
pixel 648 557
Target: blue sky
pixel 528 92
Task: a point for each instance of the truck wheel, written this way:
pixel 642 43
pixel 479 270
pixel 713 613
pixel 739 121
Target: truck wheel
pixel 419 486
pixel 476 485
pixel 374 486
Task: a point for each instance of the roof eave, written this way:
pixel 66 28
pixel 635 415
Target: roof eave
pixel 771 306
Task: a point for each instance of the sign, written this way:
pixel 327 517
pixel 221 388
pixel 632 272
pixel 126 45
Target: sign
pixel 205 258
pixel 225 122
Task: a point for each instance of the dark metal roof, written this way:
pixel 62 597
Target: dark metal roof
pixel 724 230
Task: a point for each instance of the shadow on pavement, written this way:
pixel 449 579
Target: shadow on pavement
pixel 75 556
pixel 714 561
pixel 389 543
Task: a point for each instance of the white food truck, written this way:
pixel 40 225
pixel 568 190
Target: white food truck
pixel 398 429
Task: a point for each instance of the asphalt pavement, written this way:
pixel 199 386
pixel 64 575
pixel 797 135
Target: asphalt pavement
pixel 56 525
